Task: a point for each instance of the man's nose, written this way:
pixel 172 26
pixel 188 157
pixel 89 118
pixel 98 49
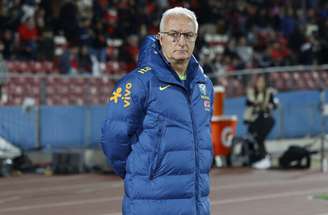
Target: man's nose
pixel 182 40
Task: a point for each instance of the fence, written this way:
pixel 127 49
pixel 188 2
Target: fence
pixel 56 89
pixel 284 79
pixel 67 111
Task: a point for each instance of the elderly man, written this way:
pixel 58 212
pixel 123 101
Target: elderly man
pixel 157 132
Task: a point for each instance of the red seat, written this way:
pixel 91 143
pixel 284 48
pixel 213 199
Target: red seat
pixel 49 67
pixel 64 101
pixel 35 67
pixel 94 100
pixel 274 76
pixel 280 85
pixel 62 89
pixel 299 81
pixel 13 66
pixel 93 90
pixel 79 81
pixel 17 100
pixel 23 67
pixel 77 91
pixel 286 76
pixel 53 80
pixel 94 81
pixel 10 66
pixel 50 101
pixel 75 100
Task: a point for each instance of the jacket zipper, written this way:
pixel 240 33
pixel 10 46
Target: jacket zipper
pixel 194 131
pixel 156 160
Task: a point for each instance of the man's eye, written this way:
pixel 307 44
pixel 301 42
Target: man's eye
pixel 188 35
pixel 174 34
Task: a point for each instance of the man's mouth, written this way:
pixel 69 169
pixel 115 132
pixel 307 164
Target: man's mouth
pixel 181 51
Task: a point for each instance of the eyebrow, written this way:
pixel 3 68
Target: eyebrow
pixel 180 31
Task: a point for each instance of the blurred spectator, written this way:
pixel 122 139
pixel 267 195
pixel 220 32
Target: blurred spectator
pixel 28 36
pixel 39 18
pixel 68 61
pixel 7 44
pixel 84 60
pixel 46 46
pixel 29 8
pixel 85 32
pixel 244 51
pixel 130 51
pixel 280 52
pixel 13 14
pixel 68 22
pixel 288 21
pixel 243 33
pixel 206 59
pixel 98 48
pixel 99 42
pixel 323 42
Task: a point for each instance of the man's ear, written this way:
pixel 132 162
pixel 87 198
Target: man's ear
pixel 159 37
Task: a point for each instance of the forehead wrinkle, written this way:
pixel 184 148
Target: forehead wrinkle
pixel 179 17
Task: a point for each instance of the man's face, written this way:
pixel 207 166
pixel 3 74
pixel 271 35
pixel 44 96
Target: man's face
pixel 178 48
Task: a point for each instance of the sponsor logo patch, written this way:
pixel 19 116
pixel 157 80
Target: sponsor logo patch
pixel 126 97
pixel 116 95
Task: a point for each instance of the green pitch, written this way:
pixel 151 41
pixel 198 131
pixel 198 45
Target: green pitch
pixel 322 196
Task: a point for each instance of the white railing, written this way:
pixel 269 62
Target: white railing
pixel 297 68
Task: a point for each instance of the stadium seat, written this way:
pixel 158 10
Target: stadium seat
pixel 323 78
pixel 23 67
pixel 299 81
pixel 10 66
pixel 13 66
pixel 62 90
pixel 279 81
pixel 35 67
pixel 49 67
pixel 93 90
pixel 309 83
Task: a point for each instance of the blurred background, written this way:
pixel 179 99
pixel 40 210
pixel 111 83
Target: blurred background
pixel 59 60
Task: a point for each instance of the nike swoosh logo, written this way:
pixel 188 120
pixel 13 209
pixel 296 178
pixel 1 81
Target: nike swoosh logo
pixel 164 87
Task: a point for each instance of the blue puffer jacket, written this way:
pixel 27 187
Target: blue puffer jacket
pixel 157 137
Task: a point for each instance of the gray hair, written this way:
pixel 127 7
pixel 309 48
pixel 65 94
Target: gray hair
pixel 178 11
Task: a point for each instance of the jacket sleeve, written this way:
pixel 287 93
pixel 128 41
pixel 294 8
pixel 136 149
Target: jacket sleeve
pixel 124 119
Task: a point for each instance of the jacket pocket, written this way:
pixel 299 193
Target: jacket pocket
pixel 156 158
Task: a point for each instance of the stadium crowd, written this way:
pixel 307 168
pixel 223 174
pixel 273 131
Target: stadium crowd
pixel 87 36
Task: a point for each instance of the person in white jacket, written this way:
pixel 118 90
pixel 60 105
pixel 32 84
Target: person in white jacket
pixel 261 100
